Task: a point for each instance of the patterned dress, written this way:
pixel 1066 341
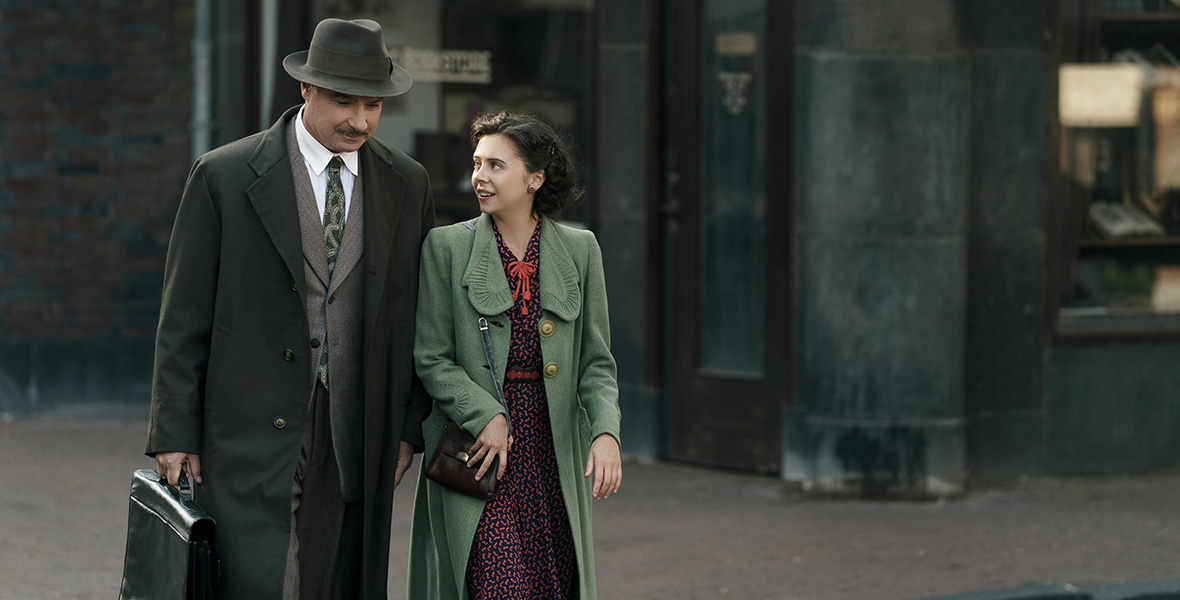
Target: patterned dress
pixel 523 547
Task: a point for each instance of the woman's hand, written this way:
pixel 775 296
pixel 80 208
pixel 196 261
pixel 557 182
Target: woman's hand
pixel 493 441
pixel 606 466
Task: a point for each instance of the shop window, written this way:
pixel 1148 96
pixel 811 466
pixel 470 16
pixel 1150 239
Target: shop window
pixel 1118 159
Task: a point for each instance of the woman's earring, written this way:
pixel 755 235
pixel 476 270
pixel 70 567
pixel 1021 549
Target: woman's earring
pixel 532 189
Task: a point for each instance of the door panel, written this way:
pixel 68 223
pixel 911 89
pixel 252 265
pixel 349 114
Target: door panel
pixel 728 352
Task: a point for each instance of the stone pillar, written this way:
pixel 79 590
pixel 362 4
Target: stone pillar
pixel 881 204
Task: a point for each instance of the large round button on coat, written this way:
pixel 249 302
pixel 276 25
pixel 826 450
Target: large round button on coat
pixel 315 343
pixel 546 328
pixel 280 422
pixel 288 355
pixel 551 369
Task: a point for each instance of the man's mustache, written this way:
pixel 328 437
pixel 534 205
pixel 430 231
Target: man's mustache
pixel 351 132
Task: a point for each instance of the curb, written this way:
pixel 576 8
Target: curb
pixel 1154 590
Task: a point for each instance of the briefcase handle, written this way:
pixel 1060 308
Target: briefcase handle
pixel 186 491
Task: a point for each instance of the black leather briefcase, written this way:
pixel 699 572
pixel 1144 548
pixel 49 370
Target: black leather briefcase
pixel 170 546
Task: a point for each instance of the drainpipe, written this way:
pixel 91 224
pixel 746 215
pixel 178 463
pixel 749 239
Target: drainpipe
pixel 267 53
pixel 202 123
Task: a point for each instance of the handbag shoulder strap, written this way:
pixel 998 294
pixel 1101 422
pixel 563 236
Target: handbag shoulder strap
pixel 487 348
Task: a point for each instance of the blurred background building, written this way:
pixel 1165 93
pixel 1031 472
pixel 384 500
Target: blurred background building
pixel 872 247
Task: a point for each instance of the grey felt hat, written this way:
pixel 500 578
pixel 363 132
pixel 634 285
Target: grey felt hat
pixel 349 57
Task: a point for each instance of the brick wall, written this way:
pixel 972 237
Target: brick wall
pixel 95 101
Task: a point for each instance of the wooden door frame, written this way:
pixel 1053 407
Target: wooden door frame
pixel 777 382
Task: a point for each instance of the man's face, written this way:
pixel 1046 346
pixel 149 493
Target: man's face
pixel 340 122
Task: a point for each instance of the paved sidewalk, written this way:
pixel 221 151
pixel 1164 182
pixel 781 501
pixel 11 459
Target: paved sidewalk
pixel 674 532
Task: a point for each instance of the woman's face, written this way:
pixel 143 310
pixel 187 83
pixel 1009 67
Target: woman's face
pixel 500 178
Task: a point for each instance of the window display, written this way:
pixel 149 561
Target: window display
pixel 1118 118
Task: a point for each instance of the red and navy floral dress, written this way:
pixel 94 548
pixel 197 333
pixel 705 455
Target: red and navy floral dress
pixel 523 547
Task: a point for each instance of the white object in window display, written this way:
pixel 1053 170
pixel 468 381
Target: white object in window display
pixel 1122 220
pixel 1100 95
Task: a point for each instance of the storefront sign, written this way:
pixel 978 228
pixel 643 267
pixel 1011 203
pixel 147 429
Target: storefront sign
pixel 737 43
pixel 445 66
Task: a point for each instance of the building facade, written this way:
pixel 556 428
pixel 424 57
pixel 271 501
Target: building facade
pixel 874 248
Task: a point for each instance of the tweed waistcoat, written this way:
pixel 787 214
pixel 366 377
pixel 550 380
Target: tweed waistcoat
pixel 335 316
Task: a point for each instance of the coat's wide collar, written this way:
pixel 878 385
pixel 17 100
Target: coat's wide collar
pixel 487 285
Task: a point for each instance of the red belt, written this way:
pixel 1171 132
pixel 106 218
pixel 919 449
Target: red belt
pixel 518 374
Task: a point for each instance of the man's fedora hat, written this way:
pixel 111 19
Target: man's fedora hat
pixel 349 57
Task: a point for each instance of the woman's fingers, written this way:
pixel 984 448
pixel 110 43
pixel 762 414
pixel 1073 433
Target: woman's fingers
pixel 606 466
pixel 492 442
pixel 486 464
pixel 503 460
pixel 475 453
pixel 611 476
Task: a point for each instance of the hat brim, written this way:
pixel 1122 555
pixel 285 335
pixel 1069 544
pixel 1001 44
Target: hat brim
pixel 399 81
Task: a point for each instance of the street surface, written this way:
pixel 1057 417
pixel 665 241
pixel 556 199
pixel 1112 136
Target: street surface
pixel 673 531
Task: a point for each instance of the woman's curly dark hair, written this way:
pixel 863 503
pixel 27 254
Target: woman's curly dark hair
pixel 539 146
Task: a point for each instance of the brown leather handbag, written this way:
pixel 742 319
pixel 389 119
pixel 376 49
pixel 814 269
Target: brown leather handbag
pixel 448 465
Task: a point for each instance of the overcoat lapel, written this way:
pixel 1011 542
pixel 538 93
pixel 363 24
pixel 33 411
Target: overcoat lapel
pixel 487 285
pixel 273 194
pixel 384 190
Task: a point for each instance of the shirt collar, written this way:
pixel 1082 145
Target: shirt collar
pixel 316 154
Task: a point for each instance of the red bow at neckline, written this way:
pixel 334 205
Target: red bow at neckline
pixel 522 271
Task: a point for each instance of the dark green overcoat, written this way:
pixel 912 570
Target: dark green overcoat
pixel 462 279
pixel 233 349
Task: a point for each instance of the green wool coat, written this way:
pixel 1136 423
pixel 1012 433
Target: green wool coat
pixel 462 278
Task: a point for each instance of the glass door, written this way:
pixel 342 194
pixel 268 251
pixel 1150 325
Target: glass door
pixel 728 261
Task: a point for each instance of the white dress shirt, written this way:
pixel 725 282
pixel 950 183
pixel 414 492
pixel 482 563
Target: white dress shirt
pixel 316 158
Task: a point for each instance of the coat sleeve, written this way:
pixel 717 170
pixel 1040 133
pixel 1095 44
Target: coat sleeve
pixel 447 382
pixel 186 321
pixel 598 387
pixel 418 407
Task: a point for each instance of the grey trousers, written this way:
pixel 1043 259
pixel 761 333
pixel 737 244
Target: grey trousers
pixel 324 554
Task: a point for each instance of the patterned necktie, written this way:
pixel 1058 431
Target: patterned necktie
pixel 333 233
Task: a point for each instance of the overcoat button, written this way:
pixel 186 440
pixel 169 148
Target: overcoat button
pixel 294 287
pixel 551 369
pixel 315 343
pixel 280 422
pixel 331 299
pixel 547 328
pixel 288 355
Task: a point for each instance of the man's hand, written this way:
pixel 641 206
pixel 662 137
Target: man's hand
pixel 169 464
pixel 405 458
pixel 605 465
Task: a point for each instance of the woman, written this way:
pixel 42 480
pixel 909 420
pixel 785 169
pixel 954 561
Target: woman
pixel 540 286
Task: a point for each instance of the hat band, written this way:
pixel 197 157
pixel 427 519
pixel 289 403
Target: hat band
pixel 375 68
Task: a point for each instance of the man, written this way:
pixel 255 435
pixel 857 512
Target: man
pixel 284 383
